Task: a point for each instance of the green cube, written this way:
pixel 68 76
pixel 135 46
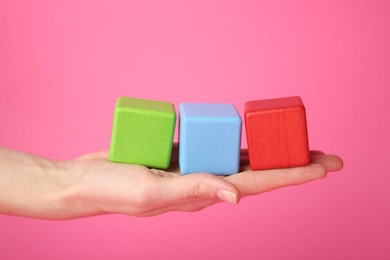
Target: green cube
pixel 142 132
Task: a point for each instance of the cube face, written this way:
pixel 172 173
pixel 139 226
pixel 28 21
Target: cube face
pixel 210 138
pixel 143 132
pixel 276 133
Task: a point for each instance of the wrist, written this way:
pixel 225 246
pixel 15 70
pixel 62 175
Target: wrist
pixel 71 198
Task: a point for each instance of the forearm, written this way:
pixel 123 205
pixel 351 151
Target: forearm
pixel 33 186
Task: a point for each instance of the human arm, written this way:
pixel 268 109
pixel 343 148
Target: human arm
pixel 37 187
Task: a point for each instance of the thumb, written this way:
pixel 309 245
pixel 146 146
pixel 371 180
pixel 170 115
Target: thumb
pixel 199 186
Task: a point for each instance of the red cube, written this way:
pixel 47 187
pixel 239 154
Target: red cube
pixel 276 133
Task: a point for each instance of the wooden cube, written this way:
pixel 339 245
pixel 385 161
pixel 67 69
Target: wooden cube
pixel 210 138
pixel 276 133
pixel 142 132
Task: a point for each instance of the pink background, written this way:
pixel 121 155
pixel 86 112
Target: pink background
pixel 64 63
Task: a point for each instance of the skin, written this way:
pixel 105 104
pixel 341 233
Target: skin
pixel 36 187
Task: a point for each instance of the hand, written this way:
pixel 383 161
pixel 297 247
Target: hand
pixel 102 187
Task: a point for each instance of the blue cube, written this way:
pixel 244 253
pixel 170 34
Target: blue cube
pixel 209 138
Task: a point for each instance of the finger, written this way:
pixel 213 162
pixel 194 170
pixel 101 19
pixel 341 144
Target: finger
pixel 244 159
pixel 330 162
pixel 162 173
pixel 197 187
pixel 103 155
pixel 316 152
pixel 256 182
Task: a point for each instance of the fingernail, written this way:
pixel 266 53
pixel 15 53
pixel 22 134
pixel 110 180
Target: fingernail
pixel 227 196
